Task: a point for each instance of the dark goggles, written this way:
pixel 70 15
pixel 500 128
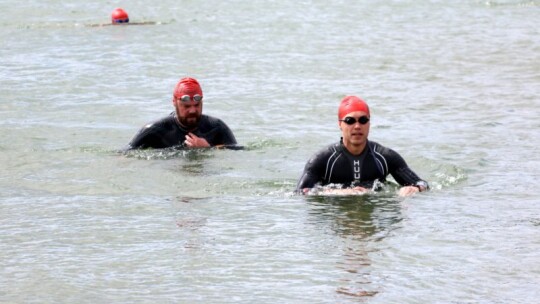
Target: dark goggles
pixel 351 120
pixel 187 98
pixel 121 20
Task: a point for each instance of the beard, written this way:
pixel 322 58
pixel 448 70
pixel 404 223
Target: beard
pixel 190 121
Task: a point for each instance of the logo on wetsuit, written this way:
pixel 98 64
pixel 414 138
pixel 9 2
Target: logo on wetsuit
pixel 356 166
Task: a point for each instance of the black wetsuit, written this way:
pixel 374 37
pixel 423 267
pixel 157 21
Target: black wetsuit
pixel 336 165
pixel 167 132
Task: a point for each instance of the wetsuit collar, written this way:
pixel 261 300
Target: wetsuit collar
pixel 345 148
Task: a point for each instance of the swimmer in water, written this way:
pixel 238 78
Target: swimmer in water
pixel 355 162
pixel 120 17
pixel 186 127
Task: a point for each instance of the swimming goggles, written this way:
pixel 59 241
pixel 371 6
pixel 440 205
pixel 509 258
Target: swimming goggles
pixel 121 20
pixel 187 98
pixel 351 120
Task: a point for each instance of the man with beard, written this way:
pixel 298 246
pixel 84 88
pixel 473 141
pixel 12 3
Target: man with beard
pixel 186 127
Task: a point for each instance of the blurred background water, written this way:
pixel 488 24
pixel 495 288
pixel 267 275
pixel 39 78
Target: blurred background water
pixel 453 87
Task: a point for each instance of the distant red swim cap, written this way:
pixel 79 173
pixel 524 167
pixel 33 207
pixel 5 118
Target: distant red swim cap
pixel 119 16
pixel 187 86
pixel 352 104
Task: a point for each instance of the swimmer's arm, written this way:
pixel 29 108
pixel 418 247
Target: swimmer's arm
pixel 411 183
pixel 194 141
pixel 312 176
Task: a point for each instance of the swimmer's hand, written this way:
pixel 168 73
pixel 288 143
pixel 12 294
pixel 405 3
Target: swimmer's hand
pixel 193 141
pixel 408 190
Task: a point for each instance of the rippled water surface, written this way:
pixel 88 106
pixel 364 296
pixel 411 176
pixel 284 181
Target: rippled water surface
pixel 454 87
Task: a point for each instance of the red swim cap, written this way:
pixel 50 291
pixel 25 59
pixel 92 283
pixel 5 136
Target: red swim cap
pixel 119 16
pixel 352 104
pixel 187 86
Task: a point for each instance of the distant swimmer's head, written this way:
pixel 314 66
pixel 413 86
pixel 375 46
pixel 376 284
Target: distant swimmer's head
pixel 119 16
pixel 351 104
pixel 189 87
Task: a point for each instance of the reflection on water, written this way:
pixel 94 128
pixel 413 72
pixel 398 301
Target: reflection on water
pixel 352 215
pixel 363 217
pixel 360 221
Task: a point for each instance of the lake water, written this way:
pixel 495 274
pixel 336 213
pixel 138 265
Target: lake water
pixel 454 87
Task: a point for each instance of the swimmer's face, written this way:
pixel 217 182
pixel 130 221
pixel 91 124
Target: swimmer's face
pixel 355 134
pixel 189 112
